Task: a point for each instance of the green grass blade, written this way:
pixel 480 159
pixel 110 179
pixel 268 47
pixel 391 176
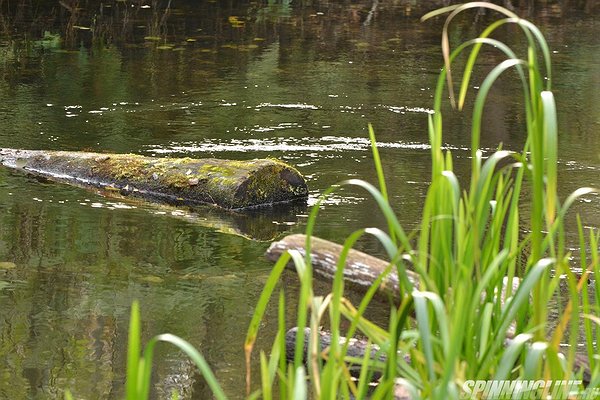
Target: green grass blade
pixel 535 354
pixel 380 175
pixel 480 102
pixel 385 208
pixel 510 356
pixel 545 49
pixel 300 392
pixel 259 311
pixel 551 154
pixel 304 272
pixel 133 352
pixel 264 377
pixel 282 350
pixel 424 327
pixel 446 40
pixel 197 358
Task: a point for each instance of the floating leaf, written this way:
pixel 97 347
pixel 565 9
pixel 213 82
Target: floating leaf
pixel 152 38
pixel 152 279
pixel 7 265
pixel 236 22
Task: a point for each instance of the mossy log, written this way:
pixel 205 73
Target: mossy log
pixel 225 183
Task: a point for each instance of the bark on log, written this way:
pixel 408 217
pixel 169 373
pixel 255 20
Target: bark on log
pixel 176 181
pixel 357 348
pixel 360 271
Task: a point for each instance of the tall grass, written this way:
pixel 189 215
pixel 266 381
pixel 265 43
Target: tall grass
pixel 465 320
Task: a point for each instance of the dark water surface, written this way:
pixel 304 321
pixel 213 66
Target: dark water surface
pixel 294 81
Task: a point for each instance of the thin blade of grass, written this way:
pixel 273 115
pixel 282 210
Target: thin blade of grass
pixel 196 357
pixel 550 151
pixel 533 360
pixel 133 352
pixel 510 356
pixel 259 311
pixel 300 391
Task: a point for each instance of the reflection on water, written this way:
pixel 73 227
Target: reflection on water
pixel 310 147
pixel 298 81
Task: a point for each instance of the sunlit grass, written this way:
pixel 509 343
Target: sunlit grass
pixel 465 321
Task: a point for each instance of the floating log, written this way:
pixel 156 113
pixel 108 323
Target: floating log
pixel 175 181
pixel 361 269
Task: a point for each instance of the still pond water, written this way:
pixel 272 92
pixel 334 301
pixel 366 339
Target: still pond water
pixel 297 82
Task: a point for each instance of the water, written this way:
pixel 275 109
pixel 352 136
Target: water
pixel 294 81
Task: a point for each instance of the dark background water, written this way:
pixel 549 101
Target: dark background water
pixel 293 80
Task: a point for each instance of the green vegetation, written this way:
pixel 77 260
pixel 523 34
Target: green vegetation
pixel 460 324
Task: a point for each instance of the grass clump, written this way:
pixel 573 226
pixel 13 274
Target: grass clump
pixel 462 322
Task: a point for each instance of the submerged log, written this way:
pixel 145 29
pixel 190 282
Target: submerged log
pixel 357 349
pixel 361 269
pixel 176 181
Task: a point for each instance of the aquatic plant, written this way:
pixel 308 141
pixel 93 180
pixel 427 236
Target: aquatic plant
pixel 464 321
pixel 139 368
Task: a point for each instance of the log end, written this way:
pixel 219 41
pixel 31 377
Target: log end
pixel 229 184
pixel 272 181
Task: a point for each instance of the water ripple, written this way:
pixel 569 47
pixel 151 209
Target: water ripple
pixel 301 106
pixel 323 144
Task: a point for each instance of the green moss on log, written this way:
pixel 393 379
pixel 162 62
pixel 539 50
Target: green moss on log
pixel 226 183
